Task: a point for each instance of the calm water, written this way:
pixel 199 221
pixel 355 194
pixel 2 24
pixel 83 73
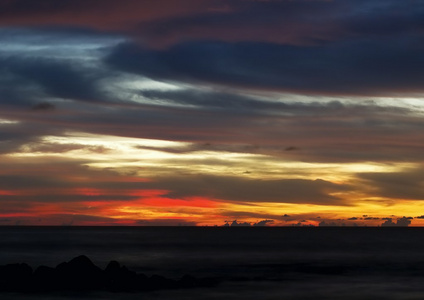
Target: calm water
pixel 265 263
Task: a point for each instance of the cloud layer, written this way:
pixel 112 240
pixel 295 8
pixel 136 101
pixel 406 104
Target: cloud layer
pixel 199 111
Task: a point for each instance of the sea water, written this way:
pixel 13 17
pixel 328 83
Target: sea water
pixel 252 263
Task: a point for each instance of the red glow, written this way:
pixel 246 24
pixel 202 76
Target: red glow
pixel 189 202
pixel 89 191
pixel 15 215
pixel 8 193
pixel 148 193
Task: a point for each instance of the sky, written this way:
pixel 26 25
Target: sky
pixel 212 112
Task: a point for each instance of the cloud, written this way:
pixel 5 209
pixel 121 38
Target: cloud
pixel 166 222
pixel 46 106
pixel 101 14
pixel 235 223
pixel 288 22
pixel 406 184
pixel 324 132
pixel 45 147
pixel 402 222
pixel 251 190
pixel 29 180
pixel 262 223
pixel 163 22
pixel 364 67
pixel 236 69
pixel 327 224
pixel 230 214
pixel 214 100
pixel 55 78
pixel 273 21
pixel 243 103
pixel 353 48
pixel 14 135
pixel 190 113
pixel 60 219
pixel 292 148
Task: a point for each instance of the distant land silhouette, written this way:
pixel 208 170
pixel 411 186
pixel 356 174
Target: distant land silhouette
pixel 81 274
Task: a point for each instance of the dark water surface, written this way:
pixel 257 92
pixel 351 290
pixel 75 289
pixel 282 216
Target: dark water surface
pixel 265 263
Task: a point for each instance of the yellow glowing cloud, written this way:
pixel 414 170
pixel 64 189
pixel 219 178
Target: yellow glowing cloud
pixel 148 158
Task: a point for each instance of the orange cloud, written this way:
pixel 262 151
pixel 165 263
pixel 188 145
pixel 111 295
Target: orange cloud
pixel 189 202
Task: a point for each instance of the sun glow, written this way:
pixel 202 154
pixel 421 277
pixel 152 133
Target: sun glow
pixel 148 160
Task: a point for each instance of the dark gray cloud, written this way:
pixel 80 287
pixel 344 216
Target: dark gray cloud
pixel 262 223
pixel 164 22
pixel 29 8
pixel 14 135
pixel 252 190
pixel 363 67
pixel 54 78
pixel 290 22
pixel 60 219
pixel 407 184
pixel 320 132
pixel 46 106
pixel 40 64
pixel 276 21
pixel 166 222
pixel 401 222
pixel 328 224
pixel 49 180
pixel 212 100
pixel 384 18
pixel 247 214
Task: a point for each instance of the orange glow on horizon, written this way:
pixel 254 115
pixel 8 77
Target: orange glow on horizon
pixel 170 202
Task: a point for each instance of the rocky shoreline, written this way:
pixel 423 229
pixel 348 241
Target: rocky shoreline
pixel 81 274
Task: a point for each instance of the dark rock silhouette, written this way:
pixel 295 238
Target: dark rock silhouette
pixel 120 278
pixel 80 274
pixel 15 276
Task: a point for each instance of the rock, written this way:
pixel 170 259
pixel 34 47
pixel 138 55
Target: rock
pixel 120 278
pixel 14 276
pixel 45 279
pixel 80 274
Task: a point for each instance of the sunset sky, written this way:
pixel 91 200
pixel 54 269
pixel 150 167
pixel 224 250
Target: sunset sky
pixel 198 112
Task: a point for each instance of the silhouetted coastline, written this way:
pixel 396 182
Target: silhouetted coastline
pixel 81 274
pixel 230 263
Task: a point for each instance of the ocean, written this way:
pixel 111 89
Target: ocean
pixel 250 262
